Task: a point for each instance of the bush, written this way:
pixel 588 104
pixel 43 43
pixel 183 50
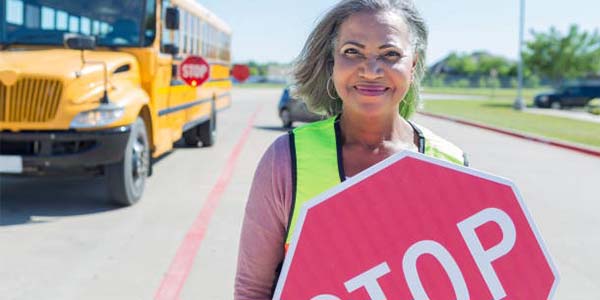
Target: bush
pixel 436 81
pixel 482 82
pixel 461 83
pixel 493 83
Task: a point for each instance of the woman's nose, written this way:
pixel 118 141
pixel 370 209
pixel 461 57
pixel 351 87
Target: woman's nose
pixel 371 68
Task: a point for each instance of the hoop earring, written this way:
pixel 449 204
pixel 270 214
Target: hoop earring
pixel 327 88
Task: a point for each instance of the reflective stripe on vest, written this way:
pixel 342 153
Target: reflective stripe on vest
pixel 317 167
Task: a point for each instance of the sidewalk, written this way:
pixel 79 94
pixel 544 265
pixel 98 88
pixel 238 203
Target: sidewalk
pixel 526 136
pixel 577 114
pixel 428 96
pixel 565 113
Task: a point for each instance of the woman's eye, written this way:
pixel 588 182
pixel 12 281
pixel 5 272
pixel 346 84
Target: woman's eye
pixel 393 55
pixel 351 51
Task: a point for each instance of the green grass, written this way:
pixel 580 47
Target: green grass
pixel 528 94
pixel 260 85
pixel 499 113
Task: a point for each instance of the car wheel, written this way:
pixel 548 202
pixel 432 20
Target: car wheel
pixel 286 118
pixel 126 179
pixel 555 105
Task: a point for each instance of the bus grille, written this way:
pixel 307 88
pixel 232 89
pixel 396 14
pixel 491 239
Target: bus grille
pixel 30 100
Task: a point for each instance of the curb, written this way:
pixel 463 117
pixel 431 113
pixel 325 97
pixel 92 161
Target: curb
pixel 533 138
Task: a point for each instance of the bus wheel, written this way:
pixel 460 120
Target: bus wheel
pixel 126 178
pixel 191 137
pixel 207 131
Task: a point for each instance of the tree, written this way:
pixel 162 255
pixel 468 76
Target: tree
pixel 254 67
pixel 461 64
pixel 488 62
pixel 559 57
pixel 479 63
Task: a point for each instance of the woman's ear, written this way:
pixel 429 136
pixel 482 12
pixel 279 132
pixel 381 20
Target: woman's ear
pixel 415 61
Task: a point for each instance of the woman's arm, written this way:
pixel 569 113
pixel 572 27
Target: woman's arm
pixel 263 230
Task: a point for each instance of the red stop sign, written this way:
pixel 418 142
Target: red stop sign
pixel 240 72
pixel 194 70
pixel 413 227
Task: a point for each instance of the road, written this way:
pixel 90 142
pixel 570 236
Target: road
pixel 61 240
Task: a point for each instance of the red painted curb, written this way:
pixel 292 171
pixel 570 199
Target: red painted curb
pixel 519 135
pixel 182 263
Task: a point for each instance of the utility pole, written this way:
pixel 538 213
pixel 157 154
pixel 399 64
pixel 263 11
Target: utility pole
pixel 519 104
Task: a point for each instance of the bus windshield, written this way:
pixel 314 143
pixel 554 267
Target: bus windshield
pixel 114 23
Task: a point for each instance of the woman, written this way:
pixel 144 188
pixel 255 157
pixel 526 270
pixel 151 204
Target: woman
pixel 362 66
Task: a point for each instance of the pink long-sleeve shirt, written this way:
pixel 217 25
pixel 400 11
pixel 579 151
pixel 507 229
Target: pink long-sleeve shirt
pixel 265 224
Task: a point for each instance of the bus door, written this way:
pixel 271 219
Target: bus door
pixel 161 100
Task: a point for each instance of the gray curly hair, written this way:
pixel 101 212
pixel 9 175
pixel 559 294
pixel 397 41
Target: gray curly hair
pixel 314 65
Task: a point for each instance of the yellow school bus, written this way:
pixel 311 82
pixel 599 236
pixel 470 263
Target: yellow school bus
pixel 91 87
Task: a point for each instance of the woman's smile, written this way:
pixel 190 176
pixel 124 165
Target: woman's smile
pixel 371 90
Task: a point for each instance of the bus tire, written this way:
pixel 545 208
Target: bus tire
pixel 126 179
pixel 191 136
pixel 207 131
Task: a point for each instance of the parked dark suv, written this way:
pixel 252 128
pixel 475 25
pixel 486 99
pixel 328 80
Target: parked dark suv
pixel 569 96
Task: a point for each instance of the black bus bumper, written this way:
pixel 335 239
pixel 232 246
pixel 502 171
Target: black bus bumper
pixel 72 152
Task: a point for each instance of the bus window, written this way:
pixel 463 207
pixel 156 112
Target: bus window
pixel 96 27
pixel 104 28
pixel 194 35
pixel 14 12
pixel 73 24
pixel 61 20
pixel 48 18
pixel 85 26
pixel 150 23
pixel 204 38
pixel 183 18
pixel 188 32
pixel 32 16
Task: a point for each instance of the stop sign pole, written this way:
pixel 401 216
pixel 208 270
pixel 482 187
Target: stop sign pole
pixel 414 227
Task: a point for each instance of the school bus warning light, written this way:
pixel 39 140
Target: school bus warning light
pixel 240 72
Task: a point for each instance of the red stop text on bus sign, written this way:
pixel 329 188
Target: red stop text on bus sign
pixel 240 72
pixel 413 227
pixel 194 71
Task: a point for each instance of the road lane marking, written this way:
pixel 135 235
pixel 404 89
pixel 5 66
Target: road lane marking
pixel 182 263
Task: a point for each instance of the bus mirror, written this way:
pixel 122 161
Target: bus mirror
pixel 170 49
pixel 79 42
pixel 172 18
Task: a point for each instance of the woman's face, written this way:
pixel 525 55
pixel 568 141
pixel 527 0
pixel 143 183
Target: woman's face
pixel 373 62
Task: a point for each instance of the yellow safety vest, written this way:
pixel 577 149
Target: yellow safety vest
pixel 316 152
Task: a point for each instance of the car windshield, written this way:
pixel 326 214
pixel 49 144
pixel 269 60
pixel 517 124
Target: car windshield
pixel 45 22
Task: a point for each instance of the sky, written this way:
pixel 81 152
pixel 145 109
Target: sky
pixel 275 30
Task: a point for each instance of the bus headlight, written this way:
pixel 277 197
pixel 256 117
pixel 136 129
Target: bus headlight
pixel 102 116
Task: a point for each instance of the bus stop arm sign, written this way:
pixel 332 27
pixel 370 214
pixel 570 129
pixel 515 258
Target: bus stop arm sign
pixel 194 71
pixel 413 227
